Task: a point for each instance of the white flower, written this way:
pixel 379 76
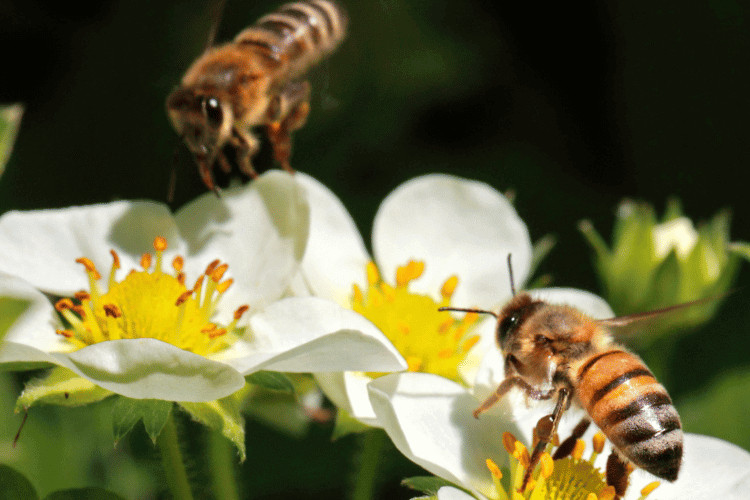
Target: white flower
pixel 430 421
pixel 259 231
pixel 437 240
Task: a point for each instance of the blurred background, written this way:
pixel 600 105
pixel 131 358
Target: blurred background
pixel 573 107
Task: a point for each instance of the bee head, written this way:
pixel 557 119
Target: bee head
pixel 202 120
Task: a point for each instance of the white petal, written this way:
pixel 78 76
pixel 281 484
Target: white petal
pixel 35 328
pixel 259 229
pixel 711 468
pixel 451 493
pixel 152 369
pixel 429 419
pixel 309 334
pixel 589 303
pixel 457 227
pixel 42 245
pixel 336 256
pixel 348 390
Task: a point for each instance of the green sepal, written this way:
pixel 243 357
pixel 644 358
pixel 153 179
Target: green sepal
pixel 126 412
pixel 84 494
pixel 346 424
pixel 540 250
pixel 223 416
pixel 429 485
pixel 741 248
pixel 14 485
pixel 275 381
pixel 60 386
pixel 10 121
pixel 11 309
pixel 666 283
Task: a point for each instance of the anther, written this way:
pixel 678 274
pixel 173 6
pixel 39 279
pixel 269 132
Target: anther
pixel 178 263
pixel 112 310
pixel 592 496
pixel 63 304
pixel 211 266
pixel 449 287
pixel 183 297
pixel 80 311
pixel 509 442
pixel 608 493
pixel 218 272
pixel 224 285
pixel 470 342
pixel 217 333
pixel 547 465
pixel 115 259
pixel 160 244
pixel 598 441
pixel 81 296
pixel 357 295
pixel 65 333
pixel 90 267
pixel 373 277
pixel 494 469
pixel 577 452
pixel 649 488
pixel 445 353
pixel 240 311
pixel 146 261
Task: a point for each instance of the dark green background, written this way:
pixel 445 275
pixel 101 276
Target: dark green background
pixel 572 106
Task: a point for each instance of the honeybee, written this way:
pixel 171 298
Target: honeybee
pixel 255 80
pixel 556 351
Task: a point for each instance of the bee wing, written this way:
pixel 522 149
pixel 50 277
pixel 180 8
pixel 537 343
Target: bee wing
pixel 621 321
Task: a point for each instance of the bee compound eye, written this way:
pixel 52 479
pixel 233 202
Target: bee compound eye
pixel 507 324
pixel 212 111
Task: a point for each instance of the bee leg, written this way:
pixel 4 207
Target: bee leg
pixel 223 162
pixel 246 146
pixel 617 474
pixel 544 430
pixel 291 113
pixel 566 447
pixel 204 167
pixel 507 385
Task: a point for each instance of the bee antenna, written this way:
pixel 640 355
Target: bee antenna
pixel 466 310
pixel 510 275
pixel 217 11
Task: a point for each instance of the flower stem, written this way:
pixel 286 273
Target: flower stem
pixel 171 459
pixel 220 456
pixel 365 481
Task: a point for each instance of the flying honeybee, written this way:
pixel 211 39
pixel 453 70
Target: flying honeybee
pixel 556 351
pixel 255 80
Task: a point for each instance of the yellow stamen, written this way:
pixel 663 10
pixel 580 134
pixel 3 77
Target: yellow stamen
pixel 494 469
pixel 373 277
pixel 80 296
pixel 413 363
pixel 240 311
pixel 112 310
pixel 64 333
pixel 592 496
pixel 90 267
pixel 357 296
pixel 509 442
pixel 160 244
pixel 547 465
pixel 211 266
pixel 224 285
pixel 598 441
pixel 146 261
pixel 578 449
pixel 218 273
pixel 178 263
pixel 449 287
pixel 649 488
pixel 608 493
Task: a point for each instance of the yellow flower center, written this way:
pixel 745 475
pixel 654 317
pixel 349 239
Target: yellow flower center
pixel 569 478
pixel 431 341
pixel 150 304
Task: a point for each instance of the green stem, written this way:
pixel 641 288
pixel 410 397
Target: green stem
pixel 221 455
pixel 171 459
pixel 365 481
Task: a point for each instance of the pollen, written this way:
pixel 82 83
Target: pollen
pixel 150 303
pixel 431 341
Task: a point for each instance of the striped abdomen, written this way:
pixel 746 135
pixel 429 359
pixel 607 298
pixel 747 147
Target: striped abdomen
pixel 634 411
pixel 297 35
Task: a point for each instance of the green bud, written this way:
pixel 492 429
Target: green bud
pixel 658 263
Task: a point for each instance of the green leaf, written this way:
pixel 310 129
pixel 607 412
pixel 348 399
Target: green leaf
pixel 10 120
pixel 60 386
pixel 14 485
pixel 10 310
pixel 429 485
pixel 274 381
pixel 84 494
pixel 346 424
pixel 223 416
pixel 126 412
